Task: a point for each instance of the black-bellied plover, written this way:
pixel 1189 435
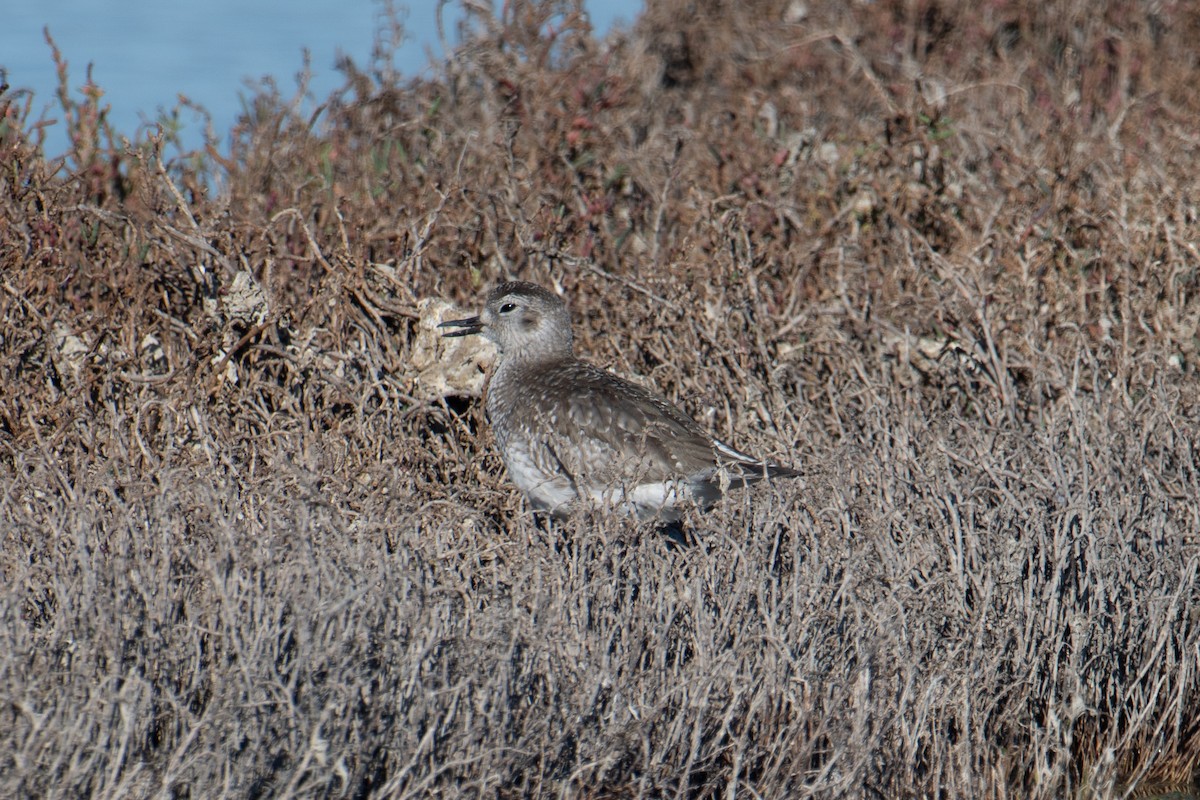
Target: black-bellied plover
pixel 569 431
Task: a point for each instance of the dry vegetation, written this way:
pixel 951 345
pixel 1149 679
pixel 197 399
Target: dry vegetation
pixel 942 258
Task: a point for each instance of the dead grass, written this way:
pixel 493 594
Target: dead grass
pixel 943 259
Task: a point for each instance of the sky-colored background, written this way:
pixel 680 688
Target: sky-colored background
pixel 144 53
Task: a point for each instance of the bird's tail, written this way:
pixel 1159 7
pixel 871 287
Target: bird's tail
pixel 746 469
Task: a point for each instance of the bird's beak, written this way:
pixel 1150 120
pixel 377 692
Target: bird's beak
pixel 467 327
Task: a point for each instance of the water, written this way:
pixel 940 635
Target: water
pixel 145 53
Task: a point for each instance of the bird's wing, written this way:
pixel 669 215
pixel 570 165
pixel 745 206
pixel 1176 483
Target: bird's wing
pixel 606 430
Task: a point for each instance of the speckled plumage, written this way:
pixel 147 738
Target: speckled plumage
pixel 569 431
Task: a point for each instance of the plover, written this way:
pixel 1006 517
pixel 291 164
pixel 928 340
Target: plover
pixel 570 432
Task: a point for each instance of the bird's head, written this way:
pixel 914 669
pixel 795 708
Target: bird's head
pixel 523 319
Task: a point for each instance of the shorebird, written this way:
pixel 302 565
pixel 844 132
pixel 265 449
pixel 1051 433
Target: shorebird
pixel 571 433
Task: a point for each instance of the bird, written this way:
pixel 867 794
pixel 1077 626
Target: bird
pixel 571 433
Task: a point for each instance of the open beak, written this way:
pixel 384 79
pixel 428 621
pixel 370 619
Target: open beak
pixel 467 327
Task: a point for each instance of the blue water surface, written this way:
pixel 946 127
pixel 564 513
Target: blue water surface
pixel 145 53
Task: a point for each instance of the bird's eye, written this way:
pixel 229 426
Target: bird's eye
pixel 507 307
